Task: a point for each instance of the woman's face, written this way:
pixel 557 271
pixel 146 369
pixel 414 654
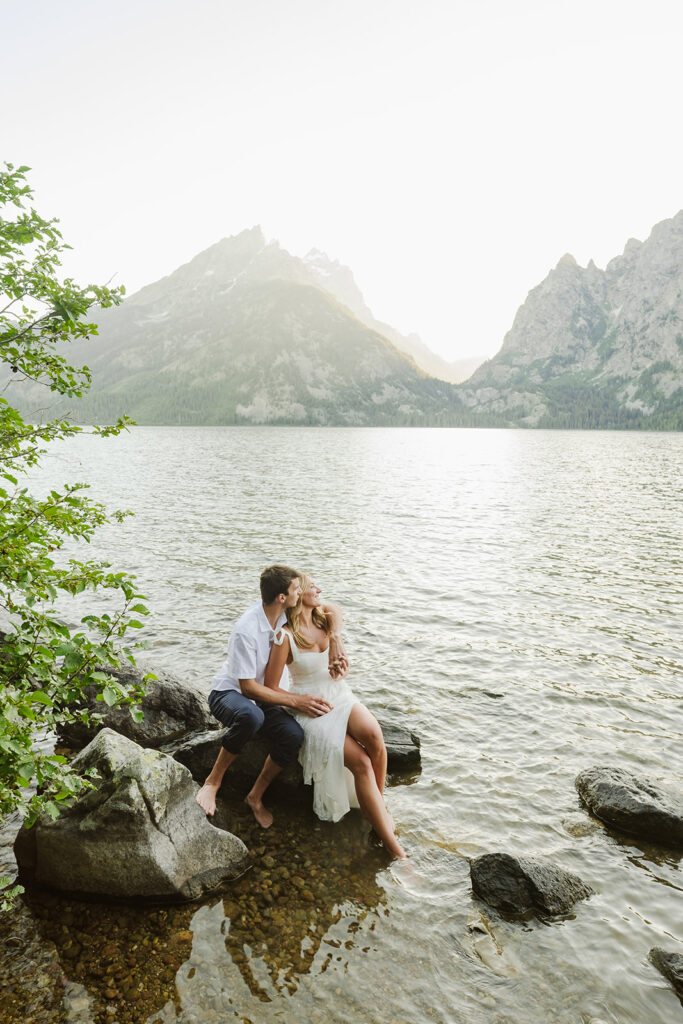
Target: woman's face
pixel 310 596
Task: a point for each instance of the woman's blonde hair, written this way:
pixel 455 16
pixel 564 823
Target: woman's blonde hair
pixel 294 617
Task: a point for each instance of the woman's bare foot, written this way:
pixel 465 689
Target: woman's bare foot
pixel 261 813
pixel 395 849
pixel 206 798
pixel 392 845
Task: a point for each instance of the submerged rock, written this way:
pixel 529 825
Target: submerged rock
pixel 670 965
pixel 140 833
pixel 199 751
pixel 171 709
pixel 487 947
pixel 519 885
pixel 633 804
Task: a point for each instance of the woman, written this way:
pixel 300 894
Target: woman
pixel 348 736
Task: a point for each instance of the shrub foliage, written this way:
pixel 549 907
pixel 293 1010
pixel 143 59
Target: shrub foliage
pixel 45 664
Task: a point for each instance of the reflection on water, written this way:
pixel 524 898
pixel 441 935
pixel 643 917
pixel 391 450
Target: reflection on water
pixel 515 599
pixel 297 914
pixel 306 876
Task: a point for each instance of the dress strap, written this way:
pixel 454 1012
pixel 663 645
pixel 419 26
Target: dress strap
pixel 279 636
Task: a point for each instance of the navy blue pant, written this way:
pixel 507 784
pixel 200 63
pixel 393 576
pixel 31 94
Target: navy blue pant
pixel 245 719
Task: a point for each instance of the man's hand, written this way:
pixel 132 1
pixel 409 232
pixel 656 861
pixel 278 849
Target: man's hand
pixel 310 705
pixel 338 663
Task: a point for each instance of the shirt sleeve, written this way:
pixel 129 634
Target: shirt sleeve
pixel 242 657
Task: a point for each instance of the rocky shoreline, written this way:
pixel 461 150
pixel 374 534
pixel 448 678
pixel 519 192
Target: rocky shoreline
pixel 139 834
pixel 177 721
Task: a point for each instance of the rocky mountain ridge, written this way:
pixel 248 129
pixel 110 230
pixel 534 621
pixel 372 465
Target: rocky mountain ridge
pixel 339 281
pixel 593 347
pixel 244 334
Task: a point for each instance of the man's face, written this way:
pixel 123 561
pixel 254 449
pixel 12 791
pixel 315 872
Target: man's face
pixel 293 594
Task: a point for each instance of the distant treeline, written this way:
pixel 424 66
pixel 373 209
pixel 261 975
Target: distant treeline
pixel 580 408
pixel 572 402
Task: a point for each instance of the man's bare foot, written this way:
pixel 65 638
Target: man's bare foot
pixel 261 813
pixel 206 798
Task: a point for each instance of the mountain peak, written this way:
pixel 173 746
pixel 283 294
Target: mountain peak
pixel 250 238
pixel 243 334
pixel 243 246
pixel 321 263
pixel 596 348
pixel 254 233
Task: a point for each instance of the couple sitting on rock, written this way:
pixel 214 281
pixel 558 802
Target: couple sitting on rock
pixel 319 717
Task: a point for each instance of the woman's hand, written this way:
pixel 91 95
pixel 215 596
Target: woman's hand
pixel 338 663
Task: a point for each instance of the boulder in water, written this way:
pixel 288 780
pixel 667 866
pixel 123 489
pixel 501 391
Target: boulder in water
pixel 139 834
pixel 670 965
pixel 520 885
pixel 199 750
pixel 171 709
pixel 633 804
pixel 403 747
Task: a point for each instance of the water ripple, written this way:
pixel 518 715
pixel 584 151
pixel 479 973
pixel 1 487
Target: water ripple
pixel 516 598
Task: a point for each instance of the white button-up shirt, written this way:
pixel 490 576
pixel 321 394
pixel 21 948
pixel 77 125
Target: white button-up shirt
pixel 248 650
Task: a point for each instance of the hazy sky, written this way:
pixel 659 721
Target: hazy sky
pixel 449 152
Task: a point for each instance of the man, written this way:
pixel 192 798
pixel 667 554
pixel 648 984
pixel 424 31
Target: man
pixel 242 703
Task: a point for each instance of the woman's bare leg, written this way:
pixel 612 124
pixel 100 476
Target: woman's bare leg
pixel 365 728
pixel 370 799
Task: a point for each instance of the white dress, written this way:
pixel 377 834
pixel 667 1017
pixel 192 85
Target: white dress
pixel 322 753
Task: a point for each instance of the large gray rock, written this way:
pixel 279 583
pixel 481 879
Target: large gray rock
pixel 171 709
pixel 177 720
pixel 520 885
pixel 199 751
pixel 140 833
pixel 671 966
pixel 633 804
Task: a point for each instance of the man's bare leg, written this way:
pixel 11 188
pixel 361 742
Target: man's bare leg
pixel 206 797
pixel 254 797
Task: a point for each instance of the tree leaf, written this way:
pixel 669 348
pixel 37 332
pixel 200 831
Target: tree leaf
pixel 40 697
pixel 25 771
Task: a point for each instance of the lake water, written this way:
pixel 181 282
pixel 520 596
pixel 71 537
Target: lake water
pixel 515 599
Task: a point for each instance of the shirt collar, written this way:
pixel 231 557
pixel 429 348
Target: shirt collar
pixel 265 626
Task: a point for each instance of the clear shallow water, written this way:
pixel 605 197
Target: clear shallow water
pixel 515 599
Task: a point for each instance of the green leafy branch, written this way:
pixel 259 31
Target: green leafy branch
pixel 47 668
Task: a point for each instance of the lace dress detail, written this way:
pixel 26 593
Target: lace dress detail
pixel 322 753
